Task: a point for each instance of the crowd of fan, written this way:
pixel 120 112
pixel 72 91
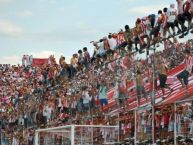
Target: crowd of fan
pixel 28 99
pixel 65 93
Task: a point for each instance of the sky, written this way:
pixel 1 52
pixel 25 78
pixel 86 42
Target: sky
pixel 62 27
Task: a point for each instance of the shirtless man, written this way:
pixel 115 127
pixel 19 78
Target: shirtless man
pixel 140 87
pixel 163 76
pixel 183 76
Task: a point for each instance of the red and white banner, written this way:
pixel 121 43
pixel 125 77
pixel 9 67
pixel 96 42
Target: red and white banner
pixel 172 80
pixel 39 61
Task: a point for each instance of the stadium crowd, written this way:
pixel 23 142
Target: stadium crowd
pixel 58 94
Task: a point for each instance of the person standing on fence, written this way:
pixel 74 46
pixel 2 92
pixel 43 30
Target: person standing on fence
pixel 183 76
pixel 103 94
pixel 188 6
pixel 140 87
pixel 162 68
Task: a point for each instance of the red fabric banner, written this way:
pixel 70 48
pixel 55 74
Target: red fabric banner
pixel 40 61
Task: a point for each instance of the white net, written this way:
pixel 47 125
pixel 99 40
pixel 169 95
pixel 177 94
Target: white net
pixel 78 135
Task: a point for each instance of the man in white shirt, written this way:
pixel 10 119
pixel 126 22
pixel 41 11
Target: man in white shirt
pixel 176 23
pixel 86 100
pixel 109 45
pixel 171 17
pixel 49 112
pixel 112 42
pixel 101 50
pixel 45 114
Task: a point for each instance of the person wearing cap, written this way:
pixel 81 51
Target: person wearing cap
pixel 183 76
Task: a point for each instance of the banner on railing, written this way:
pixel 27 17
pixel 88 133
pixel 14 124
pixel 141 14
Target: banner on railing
pixel 40 61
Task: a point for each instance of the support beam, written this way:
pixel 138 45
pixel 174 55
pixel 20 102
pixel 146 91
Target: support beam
pixel 72 135
pixel 36 138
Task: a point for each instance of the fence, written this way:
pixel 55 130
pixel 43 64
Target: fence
pixel 77 135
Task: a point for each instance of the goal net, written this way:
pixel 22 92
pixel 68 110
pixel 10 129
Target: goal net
pixel 78 135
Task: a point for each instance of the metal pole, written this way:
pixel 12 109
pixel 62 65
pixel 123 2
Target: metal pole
pixel 118 128
pixel 91 122
pixel 153 100
pixel 36 138
pixel 81 136
pixel 72 135
pixel 182 101
pixel 63 138
pixel 153 126
pixel 135 135
pixel 71 112
pixel 175 125
pixel 92 136
pixel 1 136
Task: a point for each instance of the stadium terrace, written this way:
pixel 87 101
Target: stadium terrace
pixel 111 94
